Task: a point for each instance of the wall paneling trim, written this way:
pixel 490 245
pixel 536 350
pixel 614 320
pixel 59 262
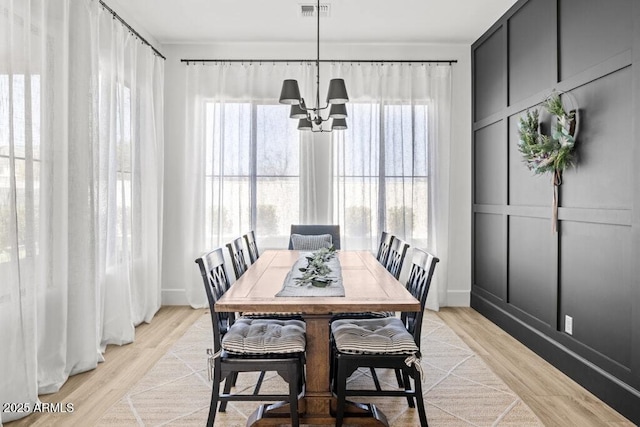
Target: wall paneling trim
pixel 526 278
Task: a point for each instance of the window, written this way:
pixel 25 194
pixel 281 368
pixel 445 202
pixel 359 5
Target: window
pixel 382 174
pixel 19 171
pixel 252 172
pixel 20 138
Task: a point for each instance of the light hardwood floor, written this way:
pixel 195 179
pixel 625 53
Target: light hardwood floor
pixel 556 399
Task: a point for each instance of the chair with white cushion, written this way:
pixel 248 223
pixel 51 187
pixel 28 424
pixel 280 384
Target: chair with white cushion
pixel 390 342
pixel 250 345
pixel 314 237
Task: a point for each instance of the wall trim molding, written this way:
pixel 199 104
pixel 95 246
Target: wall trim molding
pixel 616 393
pixel 589 272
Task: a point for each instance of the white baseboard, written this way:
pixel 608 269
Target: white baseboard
pixel 458 298
pixel 174 297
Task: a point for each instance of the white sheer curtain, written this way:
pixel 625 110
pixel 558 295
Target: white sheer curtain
pixel 242 160
pixel 81 147
pixel 392 164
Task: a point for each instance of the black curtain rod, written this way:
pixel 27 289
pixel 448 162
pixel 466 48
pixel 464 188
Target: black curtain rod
pixel 123 22
pixel 435 61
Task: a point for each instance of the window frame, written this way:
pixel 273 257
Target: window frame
pixel 253 177
pixel 381 179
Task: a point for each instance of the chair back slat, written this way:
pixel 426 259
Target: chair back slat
pixel 236 252
pixel 216 283
pixel 383 249
pixel 252 247
pixel 423 265
pixel 397 252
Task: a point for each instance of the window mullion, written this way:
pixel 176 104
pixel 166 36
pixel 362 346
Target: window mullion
pixel 253 172
pixel 382 188
pixel 29 184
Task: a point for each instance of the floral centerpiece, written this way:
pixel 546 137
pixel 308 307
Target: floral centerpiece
pixel 316 273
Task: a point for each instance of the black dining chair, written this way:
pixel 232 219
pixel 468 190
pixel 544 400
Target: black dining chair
pixel 392 343
pixel 397 252
pixel 252 247
pixel 383 248
pixel 382 257
pixel 313 231
pixel 250 345
pixel 236 253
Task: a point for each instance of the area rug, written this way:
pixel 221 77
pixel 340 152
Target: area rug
pixel 459 388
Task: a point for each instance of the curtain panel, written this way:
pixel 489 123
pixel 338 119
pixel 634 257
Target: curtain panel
pixel 391 166
pixel 243 160
pixel 390 169
pixel 81 175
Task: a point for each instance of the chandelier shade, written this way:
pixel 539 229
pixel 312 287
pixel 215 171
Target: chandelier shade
pixel 338 124
pixel 304 125
pixel 290 93
pixel 338 111
pixel 310 119
pixel 298 112
pixel 337 93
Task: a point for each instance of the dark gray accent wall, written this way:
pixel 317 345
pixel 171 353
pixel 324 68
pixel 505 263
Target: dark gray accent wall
pixel 526 277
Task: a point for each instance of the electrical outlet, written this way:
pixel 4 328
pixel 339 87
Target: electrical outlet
pixel 568 324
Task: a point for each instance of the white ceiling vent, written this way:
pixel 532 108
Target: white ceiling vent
pixel 309 10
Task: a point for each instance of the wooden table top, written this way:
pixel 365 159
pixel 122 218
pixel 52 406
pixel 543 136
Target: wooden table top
pixel 368 287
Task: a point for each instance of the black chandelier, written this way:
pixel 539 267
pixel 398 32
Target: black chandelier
pixel 310 119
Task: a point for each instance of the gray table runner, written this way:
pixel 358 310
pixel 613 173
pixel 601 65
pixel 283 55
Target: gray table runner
pixel 291 287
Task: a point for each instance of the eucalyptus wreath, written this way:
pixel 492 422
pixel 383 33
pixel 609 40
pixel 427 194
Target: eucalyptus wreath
pixel 543 153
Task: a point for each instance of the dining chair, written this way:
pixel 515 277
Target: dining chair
pixel 252 247
pixel 382 257
pixel 250 345
pixel 383 249
pixel 391 342
pixel 314 230
pixel 397 252
pixel 236 252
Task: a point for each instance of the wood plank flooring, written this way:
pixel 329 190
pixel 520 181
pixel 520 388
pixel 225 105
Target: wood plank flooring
pixel 556 399
pixel 93 392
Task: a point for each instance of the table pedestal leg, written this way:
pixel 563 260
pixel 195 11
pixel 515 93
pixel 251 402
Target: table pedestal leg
pixel 317 404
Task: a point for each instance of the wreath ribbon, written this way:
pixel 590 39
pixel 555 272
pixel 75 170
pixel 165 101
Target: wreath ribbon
pixel 557 181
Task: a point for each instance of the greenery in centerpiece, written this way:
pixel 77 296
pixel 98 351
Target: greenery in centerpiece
pixel 316 273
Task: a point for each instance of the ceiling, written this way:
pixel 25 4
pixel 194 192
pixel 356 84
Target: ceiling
pixel 356 21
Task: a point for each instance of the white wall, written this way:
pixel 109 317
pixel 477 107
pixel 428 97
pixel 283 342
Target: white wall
pixel 460 218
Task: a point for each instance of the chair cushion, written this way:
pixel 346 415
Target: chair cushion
pixel 312 242
pixel 265 336
pixel 373 336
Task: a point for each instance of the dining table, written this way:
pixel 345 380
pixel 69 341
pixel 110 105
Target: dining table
pixel 368 286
